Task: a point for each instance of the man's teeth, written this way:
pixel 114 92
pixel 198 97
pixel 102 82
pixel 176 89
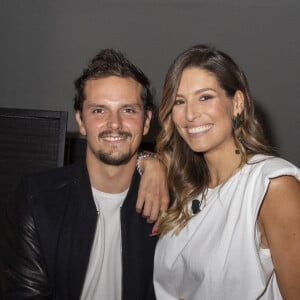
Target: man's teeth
pixel 199 129
pixel 114 138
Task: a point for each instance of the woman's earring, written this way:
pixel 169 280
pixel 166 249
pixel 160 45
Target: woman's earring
pixel 237 121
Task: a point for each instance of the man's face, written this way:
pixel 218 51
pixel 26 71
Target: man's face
pixel 113 119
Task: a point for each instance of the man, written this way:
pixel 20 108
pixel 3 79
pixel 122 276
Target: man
pixel 73 233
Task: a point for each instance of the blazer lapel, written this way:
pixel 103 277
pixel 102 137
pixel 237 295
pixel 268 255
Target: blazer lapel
pixel 77 235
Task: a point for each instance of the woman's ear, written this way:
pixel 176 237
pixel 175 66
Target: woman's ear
pixel 238 102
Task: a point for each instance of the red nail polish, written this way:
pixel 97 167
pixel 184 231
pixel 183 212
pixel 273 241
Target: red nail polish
pixel 154 232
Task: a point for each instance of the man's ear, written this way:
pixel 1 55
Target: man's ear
pixel 80 122
pixel 238 102
pixel 147 122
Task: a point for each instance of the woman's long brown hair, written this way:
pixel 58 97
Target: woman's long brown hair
pixel 188 174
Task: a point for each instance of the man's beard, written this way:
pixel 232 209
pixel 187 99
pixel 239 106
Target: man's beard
pixel 114 160
pixel 110 158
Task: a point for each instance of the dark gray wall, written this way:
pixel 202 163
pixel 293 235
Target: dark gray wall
pixel 46 43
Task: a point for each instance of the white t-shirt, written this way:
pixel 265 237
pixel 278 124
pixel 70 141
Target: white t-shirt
pixel 217 255
pixel 104 275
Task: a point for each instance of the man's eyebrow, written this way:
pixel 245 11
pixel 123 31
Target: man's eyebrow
pixel 138 105
pixel 95 105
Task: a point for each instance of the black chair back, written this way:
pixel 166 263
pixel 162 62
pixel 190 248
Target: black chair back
pixel 30 141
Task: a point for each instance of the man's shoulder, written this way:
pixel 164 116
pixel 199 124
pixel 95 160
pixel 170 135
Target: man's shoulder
pixel 58 177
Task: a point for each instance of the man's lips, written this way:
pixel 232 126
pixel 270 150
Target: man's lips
pixel 114 136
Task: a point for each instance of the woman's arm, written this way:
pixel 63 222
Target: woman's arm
pixel 279 220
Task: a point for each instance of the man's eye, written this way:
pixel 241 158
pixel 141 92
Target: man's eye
pixel 98 110
pixel 178 101
pixel 129 110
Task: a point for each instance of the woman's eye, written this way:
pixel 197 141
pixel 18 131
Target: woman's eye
pixel 178 101
pixel 205 97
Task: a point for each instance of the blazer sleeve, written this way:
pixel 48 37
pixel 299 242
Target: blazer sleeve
pixel 23 272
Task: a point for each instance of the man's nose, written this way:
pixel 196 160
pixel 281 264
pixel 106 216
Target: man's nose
pixel 114 120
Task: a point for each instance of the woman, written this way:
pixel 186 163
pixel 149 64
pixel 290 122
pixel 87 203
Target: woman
pixel 233 231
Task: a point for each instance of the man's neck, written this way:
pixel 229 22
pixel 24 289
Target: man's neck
pixel 109 178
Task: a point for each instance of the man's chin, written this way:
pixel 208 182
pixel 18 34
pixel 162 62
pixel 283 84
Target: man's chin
pixel 114 159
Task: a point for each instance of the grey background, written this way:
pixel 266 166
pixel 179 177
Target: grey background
pixel 46 43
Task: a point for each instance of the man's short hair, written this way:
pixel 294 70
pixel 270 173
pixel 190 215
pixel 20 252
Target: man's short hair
pixel 112 62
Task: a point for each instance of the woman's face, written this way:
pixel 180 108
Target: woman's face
pixel 202 112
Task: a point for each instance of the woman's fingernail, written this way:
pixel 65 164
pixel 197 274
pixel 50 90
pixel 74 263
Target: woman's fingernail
pixel 154 232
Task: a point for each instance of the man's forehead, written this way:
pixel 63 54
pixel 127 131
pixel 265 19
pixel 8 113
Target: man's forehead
pixel 114 88
pixel 114 80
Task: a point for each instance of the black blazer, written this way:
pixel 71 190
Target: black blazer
pixel 48 233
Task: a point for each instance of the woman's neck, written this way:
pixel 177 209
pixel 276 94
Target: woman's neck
pixel 222 167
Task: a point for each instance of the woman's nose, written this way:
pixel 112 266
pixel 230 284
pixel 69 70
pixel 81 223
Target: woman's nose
pixel 192 112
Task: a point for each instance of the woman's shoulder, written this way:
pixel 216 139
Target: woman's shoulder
pixel 273 166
